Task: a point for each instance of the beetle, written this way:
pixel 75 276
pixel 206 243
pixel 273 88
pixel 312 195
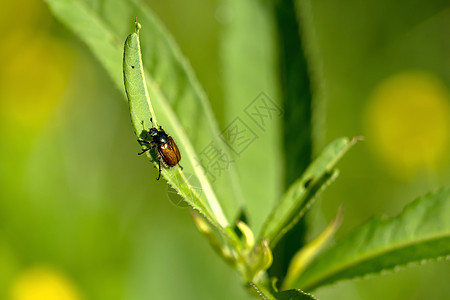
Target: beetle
pixel 167 150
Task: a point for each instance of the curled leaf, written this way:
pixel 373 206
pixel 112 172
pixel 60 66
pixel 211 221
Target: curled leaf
pixel 305 255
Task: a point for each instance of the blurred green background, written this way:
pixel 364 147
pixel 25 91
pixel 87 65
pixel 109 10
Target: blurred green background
pixel 82 216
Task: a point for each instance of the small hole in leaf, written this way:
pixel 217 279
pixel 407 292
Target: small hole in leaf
pixel 307 183
pixel 132 67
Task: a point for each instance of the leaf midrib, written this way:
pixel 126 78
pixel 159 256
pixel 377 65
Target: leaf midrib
pixel 209 192
pixel 189 149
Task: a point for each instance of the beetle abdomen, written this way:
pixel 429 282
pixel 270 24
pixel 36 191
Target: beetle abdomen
pixel 169 153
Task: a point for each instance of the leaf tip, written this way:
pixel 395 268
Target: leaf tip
pixel 137 25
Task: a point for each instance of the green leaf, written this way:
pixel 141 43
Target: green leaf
pixel 141 111
pixel 294 295
pixel 252 101
pixel 300 196
pixel 419 234
pixel 260 291
pixel 296 74
pixel 178 99
pixel 306 254
pixel 314 60
pixel 269 294
pixel 296 92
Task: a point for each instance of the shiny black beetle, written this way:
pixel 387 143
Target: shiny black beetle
pixel 167 151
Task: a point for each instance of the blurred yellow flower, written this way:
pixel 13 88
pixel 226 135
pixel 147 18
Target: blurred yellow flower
pixel 43 283
pixel 35 67
pixel 408 121
pixel 33 79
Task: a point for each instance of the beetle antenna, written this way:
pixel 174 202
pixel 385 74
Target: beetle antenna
pixel 151 120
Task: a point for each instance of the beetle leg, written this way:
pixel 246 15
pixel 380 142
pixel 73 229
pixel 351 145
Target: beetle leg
pixel 144 141
pixel 180 166
pixel 148 149
pixel 159 175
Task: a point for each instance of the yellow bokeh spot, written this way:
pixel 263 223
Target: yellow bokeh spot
pixel 408 121
pixel 43 283
pixel 33 79
pixel 35 67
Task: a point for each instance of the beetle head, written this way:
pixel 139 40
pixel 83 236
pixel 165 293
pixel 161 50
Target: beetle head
pixel 153 132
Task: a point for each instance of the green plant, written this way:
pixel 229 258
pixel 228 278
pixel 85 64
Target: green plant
pixel 164 83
